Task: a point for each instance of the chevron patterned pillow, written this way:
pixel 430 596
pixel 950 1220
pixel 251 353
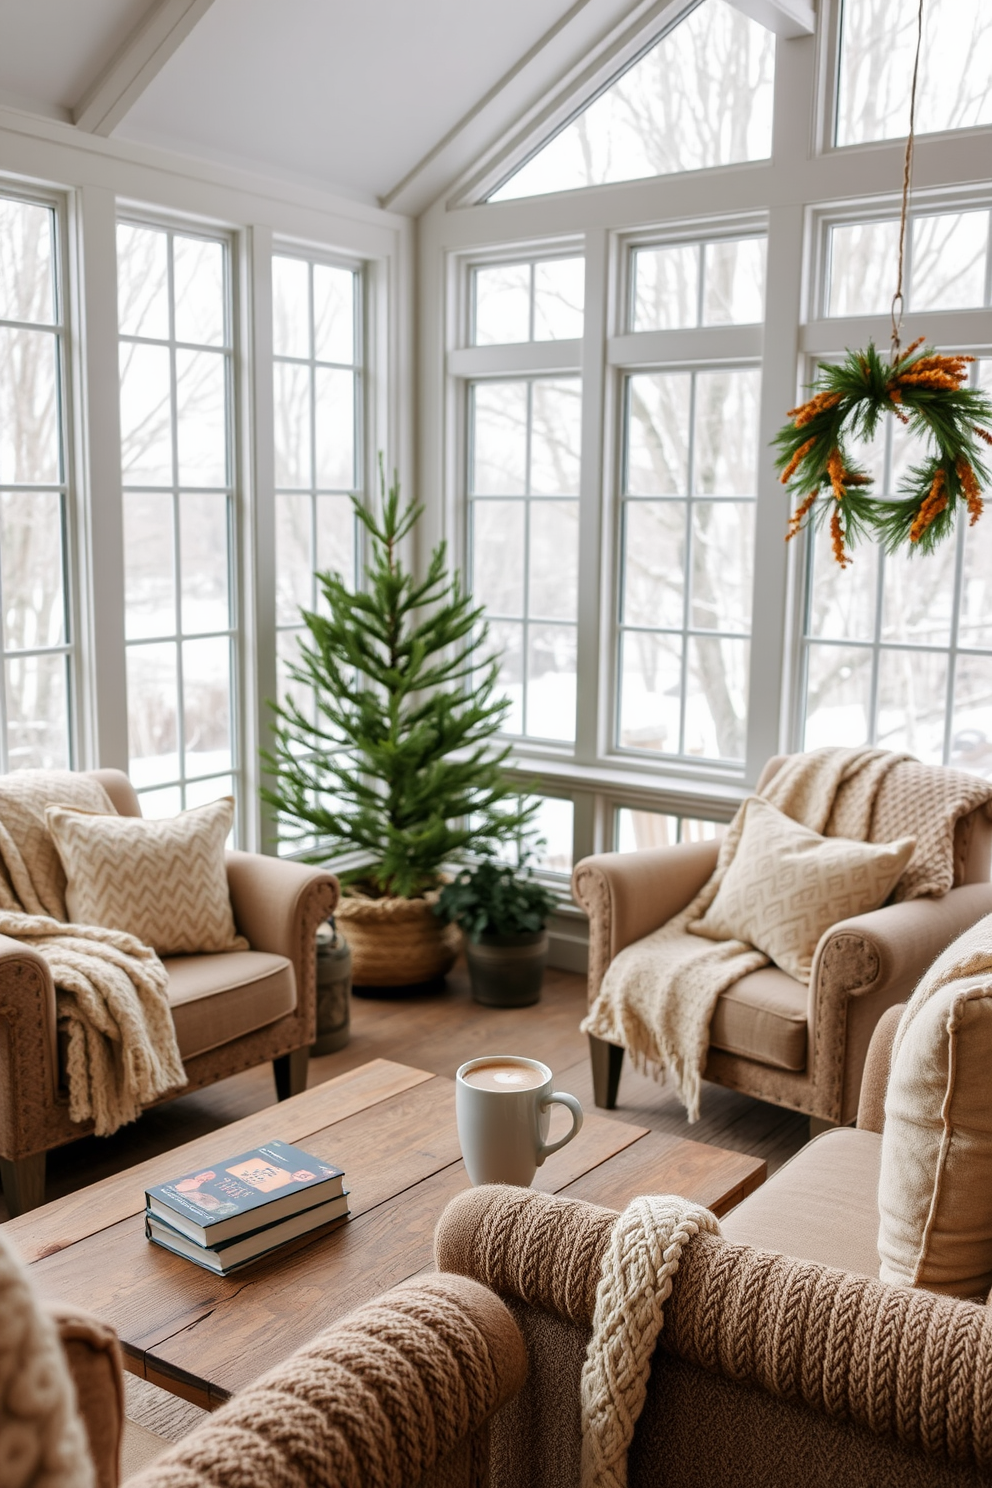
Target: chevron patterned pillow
pixel 164 882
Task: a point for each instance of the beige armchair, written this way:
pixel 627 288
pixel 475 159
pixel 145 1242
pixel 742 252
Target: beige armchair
pixel 231 1010
pixel 772 1037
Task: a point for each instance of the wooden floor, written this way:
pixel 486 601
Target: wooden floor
pixel 437 1033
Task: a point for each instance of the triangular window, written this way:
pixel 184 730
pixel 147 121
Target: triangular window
pixel 702 96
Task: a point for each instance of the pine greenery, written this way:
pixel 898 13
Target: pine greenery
pixel 926 391
pixel 400 763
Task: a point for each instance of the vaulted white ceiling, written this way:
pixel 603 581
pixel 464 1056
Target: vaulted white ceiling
pixel 387 100
pixel 345 95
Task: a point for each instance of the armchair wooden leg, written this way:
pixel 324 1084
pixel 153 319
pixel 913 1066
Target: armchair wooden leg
pixel 23 1183
pixel 290 1071
pixel 607 1062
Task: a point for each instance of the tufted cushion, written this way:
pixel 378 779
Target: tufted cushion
pixel 787 885
pixel 935 1189
pixel 164 882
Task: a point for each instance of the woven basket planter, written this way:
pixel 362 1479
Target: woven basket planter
pixel 396 942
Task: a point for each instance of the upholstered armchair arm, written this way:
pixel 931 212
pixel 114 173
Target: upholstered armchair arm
pixel 627 895
pixel 28 1050
pixel 865 965
pixel 798 1331
pixel 385 1396
pixel 278 905
pixel 94 1358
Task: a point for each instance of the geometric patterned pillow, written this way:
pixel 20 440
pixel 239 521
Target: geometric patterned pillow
pixel 162 881
pixel 787 885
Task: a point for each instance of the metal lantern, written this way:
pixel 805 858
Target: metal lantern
pixel 333 990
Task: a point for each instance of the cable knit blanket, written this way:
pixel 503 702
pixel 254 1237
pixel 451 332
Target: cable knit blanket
pixel 639 1263
pixel 658 995
pixel 111 991
pixel 42 1439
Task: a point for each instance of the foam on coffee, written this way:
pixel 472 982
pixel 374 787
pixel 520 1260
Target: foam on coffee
pixel 502 1075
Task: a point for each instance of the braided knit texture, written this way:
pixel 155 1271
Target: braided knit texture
pixel 377 1401
pixel 904 1363
pixel 42 1439
pixel 639 1266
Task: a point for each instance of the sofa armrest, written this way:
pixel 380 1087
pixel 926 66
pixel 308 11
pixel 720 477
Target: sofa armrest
pixel 843 1345
pixel 271 896
pixel 277 906
pixel 627 895
pixel 28 1049
pixel 94 1358
pixel 386 1395
pixel 867 964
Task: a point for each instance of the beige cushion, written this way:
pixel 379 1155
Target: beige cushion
pixel 787 885
pixel 164 882
pixel 821 1206
pixel 763 1017
pixel 215 999
pixel 935 1191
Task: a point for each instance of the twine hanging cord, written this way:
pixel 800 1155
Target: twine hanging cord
pixel 907 172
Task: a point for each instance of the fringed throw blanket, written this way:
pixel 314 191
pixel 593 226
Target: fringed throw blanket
pixel 43 1441
pixel 111 991
pixel 658 995
pixel 638 1267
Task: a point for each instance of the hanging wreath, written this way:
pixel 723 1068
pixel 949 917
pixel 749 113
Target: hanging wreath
pixel 926 391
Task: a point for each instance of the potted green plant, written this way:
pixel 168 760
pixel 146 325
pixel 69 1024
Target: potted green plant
pixel 398 767
pixel 503 912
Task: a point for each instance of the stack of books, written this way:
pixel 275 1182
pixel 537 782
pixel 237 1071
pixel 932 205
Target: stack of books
pixel 224 1216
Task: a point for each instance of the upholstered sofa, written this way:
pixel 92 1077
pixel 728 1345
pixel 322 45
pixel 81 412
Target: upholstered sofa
pixel 399 1392
pixel 772 1037
pixel 783 1360
pixel 231 1010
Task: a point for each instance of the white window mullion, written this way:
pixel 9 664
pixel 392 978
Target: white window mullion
pixel 258 526
pixel 775 663
pixel 102 725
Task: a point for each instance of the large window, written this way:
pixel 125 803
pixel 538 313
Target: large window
pixel 877 43
pixel 898 648
pixel 702 96
pixel 36 691
pixel 174 299
pixel 317 340
pixel 687 561
pixel 524 542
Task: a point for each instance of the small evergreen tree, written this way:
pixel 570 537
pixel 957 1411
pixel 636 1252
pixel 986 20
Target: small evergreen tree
pixel 399 764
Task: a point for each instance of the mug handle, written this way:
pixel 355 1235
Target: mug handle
pixel 576 1110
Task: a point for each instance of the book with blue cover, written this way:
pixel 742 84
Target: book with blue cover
pixel 241 1194
pixel 310 1224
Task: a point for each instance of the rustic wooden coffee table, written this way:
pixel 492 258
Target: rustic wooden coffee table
pixel 392 1128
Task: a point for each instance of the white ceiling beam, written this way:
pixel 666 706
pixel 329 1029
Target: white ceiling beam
pixel 788 18
pixel 140 59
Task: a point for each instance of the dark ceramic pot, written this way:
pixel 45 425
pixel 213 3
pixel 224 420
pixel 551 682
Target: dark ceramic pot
pixel 507 970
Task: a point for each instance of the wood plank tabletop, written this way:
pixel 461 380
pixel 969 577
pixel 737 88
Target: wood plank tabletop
pixel 392 1129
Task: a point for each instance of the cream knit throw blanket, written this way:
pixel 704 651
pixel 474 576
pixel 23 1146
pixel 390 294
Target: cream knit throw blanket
pixel 639 1263
pixel 42 1439
pixel 111 991
pixel 658 995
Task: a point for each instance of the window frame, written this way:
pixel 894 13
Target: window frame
pixel 73 580
pixel 237 633
pixel 364 464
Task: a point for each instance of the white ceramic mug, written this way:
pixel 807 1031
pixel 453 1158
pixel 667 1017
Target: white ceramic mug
pixel 503 1130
